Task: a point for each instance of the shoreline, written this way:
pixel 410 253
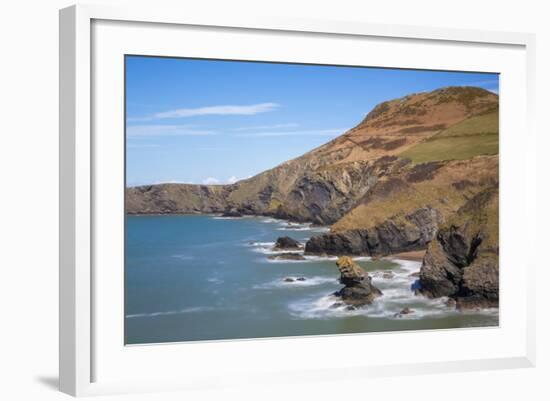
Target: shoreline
pixel 220 214
pixel 415 256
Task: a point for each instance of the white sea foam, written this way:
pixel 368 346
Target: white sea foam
pixel 401 274
pixel 322 307
pixel 307 258
pixel 267 248
pixel 397 295
pixel 195 309
pixel 285 225
pixel 221 217
pixel 386 306
pixel 183 256
pixel 308 282
pixel 215 280
pixel 316 258
pixel 281 261
pixel 293 229
pixel 410 266
pixel 271 220
pixel 262 244
pixel 291 226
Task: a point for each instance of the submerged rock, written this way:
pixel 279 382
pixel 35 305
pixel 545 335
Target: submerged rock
pixel 358 290
pixel 287 256
pixel 287 243
pixel 292 279
pixel 388 275
pixel 404 311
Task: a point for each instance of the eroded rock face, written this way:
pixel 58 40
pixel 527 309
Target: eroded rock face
pixel 358 290
pixel 287 243
pixel 412 233
pixel 177 199
pixel 462 261
pixel 352 242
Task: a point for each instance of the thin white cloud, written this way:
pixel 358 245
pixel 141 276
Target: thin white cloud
pixel 211 181
pixel 233 179
pixel 173 182
pixel 165 130
pixel 325 132
pixel 261 127
pixel 241 110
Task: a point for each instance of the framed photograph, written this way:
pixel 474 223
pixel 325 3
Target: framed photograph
pixel 256 199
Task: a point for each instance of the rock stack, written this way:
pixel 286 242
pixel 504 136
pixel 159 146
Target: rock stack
pixel 358 290
pixel 287 243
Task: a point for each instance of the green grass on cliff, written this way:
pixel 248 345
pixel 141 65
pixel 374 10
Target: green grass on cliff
pixel 453 148
pixel 472 137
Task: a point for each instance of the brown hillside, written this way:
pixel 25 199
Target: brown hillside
pixel 351 173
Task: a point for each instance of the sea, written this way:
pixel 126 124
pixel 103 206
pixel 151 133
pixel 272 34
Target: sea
pixel 205 277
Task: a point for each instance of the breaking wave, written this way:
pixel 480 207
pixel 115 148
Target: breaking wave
pixel 397 292
pixel 183 256
pixel 195 309
pixel 267 248
pixel 308 282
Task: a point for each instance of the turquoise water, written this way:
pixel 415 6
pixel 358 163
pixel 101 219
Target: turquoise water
pixel 191 278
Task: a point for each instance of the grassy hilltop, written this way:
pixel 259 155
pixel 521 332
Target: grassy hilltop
pixel 472 137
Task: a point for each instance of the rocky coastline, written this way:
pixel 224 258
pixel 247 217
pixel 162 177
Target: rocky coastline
pixel 462 261
pixel 383 190
pixel 412 234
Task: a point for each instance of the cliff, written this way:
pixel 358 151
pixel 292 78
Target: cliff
pixel 377 158
pixel 418 172
pixel 462 261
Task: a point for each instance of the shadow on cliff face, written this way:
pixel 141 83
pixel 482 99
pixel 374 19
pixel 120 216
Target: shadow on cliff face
pixel 411 234
pixel 463 261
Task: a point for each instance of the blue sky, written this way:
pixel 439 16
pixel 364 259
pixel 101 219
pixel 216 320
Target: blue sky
pixel 207 121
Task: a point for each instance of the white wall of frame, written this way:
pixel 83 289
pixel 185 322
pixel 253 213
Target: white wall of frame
pixel 28 205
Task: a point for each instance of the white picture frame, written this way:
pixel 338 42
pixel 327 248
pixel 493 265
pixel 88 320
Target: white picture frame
pixel 80 219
